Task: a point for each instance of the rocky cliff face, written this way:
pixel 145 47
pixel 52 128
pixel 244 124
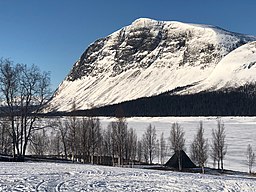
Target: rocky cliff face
pixel 144 59
pixel 236 69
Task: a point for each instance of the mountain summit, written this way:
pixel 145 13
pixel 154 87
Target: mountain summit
pixel 151 57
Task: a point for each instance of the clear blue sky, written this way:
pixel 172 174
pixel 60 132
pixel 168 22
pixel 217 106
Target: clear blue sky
pixel 54 33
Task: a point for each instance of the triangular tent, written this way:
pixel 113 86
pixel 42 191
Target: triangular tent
pixel 185 161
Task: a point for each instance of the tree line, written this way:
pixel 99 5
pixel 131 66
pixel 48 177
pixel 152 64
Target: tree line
pixel 239 101
pixel 82 139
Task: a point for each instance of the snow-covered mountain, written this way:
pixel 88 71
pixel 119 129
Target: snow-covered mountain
pixel 151 57
pixel 235 69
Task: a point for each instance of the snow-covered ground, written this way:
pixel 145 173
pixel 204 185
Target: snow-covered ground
pixel 79 177
pixel 240 131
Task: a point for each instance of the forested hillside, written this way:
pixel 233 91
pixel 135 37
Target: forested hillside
pixel 228 102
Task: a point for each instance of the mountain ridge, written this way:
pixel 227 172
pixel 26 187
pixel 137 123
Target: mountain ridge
pixel 144 59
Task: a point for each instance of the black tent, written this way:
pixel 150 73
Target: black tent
pixel 186 162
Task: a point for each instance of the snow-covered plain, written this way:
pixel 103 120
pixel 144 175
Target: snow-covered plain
pixel 79 177
pixel 240 131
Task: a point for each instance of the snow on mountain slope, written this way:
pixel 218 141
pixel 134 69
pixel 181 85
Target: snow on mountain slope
pixel 235 69
pixel 144 59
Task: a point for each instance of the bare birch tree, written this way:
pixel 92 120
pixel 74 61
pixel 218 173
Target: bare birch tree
pixel 119 136
pixel 84 141
pixel 219 147
pixel 5 137
pixel 108 143
pixel 177 141
pixel 94 136
pixel 139 151
pixel 39 143
pixel 149 143
pixel 162 148
pixel 55 146
pixel 59 137
pixel 145 152
pixel 131 145
pixel 250 158
pixel 199 148
pixel 23 91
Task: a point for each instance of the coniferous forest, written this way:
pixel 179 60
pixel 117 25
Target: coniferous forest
pixel 239 101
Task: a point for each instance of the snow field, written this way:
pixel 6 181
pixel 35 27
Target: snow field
pixel 79 177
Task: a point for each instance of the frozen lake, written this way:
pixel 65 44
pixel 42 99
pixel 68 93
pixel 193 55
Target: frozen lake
pixel 240 131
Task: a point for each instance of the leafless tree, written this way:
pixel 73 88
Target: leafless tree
pixel 8 85
pixel 120 142
pixel 131 145
pixel 80 137
pixel 158 151
pixel 145 151
pixel 73 136
pixel 250 157
pixel 94 136
pixel 23 91
pixel 60 139
pixel 39 143
pixel 119 136
pixel 139 151
pixel 162 149
pixel 55 146
pixel 199 148
pixel 5 137
pixel 108 143
pixel 84 141
pixel 219 147
pixel 149 143
pixel 177 141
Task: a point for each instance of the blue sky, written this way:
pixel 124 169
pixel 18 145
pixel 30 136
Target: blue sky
pixel 54 33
